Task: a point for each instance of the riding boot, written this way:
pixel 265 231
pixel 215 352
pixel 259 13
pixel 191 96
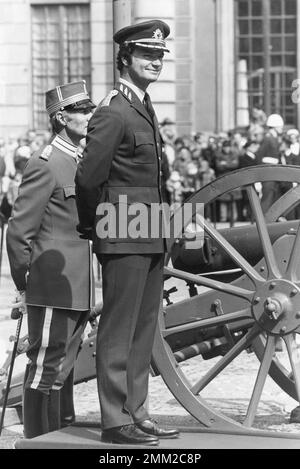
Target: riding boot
pixel 26 374
pixel 35 413
pixel 54 410
pixel 67 411
pixel 24 382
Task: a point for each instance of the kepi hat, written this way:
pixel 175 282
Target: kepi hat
pixel 69 96
pixel 148 34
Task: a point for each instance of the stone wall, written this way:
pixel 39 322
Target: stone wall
pixel 196 87
pixel 15 70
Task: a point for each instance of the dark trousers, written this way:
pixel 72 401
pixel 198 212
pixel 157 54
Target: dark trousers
pixel 54 339
pixel 270 193
pixel 132 286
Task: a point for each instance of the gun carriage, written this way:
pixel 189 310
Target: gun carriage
pixel 233 290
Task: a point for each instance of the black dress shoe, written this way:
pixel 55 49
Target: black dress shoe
pixel 295 415
pixel 128 435
pixel 151 428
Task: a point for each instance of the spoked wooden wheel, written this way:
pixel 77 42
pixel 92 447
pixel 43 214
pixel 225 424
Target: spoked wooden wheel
pixel 251 307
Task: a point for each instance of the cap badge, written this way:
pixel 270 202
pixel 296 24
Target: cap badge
pixel 158 34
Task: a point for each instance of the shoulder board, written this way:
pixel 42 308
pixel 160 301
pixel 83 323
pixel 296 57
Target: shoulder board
pixel 46 153
pixel 106 101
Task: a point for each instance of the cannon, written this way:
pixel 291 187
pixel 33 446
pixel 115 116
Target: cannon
pixel 242 295
pixel 234 291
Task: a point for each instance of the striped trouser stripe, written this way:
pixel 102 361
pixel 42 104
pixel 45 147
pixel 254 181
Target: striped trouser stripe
pixel 43 348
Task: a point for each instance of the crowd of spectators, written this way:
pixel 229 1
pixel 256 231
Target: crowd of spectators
pixel 195 160
pixel 190 162
pixel 14 154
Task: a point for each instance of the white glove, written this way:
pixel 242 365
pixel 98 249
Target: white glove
pixel 270 160
pixel 20 301
pixel 258 188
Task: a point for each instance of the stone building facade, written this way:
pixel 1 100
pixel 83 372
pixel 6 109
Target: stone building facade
pixel 226 56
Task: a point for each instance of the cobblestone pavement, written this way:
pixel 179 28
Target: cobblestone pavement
pixel 229 393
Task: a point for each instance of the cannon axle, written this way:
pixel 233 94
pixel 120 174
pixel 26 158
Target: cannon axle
pixel 276 307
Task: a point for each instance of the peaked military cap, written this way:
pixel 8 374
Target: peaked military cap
pixel 148 34
pixel 71 96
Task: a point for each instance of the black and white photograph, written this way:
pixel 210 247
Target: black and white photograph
pixel 150 228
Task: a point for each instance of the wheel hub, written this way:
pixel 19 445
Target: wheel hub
pixel 276 307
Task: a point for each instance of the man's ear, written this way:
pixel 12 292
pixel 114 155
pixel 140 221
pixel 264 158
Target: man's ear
pixel 60 118
pixel 124 61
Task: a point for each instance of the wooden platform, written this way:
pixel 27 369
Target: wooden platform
pixel 88 437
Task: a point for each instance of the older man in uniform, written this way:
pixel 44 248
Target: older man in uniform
pixel 122 163
pixel 50 264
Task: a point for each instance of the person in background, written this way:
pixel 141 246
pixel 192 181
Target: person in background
pixel 258 118
pixel 209 150
pixel 178 144
pixel 238 140
pixel 227 159
pixel 188 173
pixel 268 153
pixel 258 135
pixel 165 175
pixel 288 151
pixel 13 179
pixel 174 186
pixel 293 136
pixel 168 135
pixel 248 155
pixel 2 162
pixel 7 181
pixel 21 157
pixel 199 140
pixel 205 175
pixel 247 158
pixel 288 157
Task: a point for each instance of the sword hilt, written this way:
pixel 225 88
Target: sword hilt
pixel 15 313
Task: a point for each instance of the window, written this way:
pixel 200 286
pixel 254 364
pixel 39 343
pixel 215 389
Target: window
pixel 60 51
pixel 266 52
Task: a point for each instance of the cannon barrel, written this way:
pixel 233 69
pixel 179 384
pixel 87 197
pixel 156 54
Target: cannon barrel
pixel 204 255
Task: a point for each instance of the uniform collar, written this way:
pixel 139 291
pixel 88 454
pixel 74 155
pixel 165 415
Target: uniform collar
pixel 126 84
pixel 135 97
pixel 65 146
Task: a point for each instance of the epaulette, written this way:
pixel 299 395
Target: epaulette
pixel 106 101
pixel 46 153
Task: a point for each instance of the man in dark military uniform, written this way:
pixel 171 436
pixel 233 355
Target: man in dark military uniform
pixel 50 264
pixel 269 153
pixel 122 163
